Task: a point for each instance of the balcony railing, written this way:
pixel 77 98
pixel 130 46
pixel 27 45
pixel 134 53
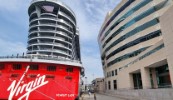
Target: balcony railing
pixel 50 43
pixel 42 57
pixel 69 18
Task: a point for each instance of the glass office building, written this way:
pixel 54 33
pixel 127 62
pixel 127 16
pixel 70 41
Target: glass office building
pixel 133 45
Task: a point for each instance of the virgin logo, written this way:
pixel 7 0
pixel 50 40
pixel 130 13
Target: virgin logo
pixel 16 88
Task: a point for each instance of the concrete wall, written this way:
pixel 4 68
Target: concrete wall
pixel 167 28
pixel 146 94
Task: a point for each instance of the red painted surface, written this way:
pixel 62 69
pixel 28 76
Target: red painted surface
pixel 61 87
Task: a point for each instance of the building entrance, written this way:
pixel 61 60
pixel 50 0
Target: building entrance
pixel 137 81
pixel 163 76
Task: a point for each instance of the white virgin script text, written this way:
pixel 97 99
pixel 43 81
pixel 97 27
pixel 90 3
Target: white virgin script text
pixel 16 88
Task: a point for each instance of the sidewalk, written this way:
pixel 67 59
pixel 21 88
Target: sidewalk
pixel 87 97
pixel 99 97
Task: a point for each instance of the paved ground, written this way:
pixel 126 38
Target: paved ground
pixel 98 97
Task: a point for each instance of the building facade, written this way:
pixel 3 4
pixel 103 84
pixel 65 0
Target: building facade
pixel 98 85
pixel 53 30
pixel 135 43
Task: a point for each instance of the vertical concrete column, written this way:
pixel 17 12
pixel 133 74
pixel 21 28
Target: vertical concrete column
pixel 154 78
pixel 170 64
pixel 145 75
pixel 38 10
pixel 166 21
pixel 131 83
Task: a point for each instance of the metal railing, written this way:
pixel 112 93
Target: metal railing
pixel 41 57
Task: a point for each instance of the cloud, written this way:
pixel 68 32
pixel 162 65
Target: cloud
pixel 90 16
pixel 11 47
pixel 92 66
pixel 13 5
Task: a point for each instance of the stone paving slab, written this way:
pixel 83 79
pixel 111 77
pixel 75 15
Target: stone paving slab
pixel 98 97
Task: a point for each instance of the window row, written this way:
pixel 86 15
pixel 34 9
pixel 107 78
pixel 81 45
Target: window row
pixel 144 56
pixel 135 42
pixel 117 13
pixel 112 73
pixel 130 12
pixel 141 16
pixel 35 67
pixel 109 85
pixel 127 56
pixel 133 32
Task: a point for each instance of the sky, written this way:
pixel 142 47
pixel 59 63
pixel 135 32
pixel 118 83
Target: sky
pixel 90 15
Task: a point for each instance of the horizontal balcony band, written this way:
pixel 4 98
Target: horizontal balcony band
pixel 50 50
pixel 34 12
pixel 50 25
pixel 48 14
pixel 66 16
pixel 50 44
pixel 52 19
pixel 53 32
pixel 53 38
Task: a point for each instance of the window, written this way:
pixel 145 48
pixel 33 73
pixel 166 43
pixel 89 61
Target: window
pixel 133 20
pixel 133 32
pixel 68 77
pixel 17 66
pixel 109 85
pixel 116 73
pixel 116 14
pixel 51 68
pixel 112 73
pixel 50 76
pixel 33 67
pixel 14 75
pixel 143 56
pixel 137 41
pixel 32 76
pixel 2 66
pixel 69 69
pixel 115 84
pixel 126 56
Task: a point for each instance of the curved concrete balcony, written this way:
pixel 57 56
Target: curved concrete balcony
pixel 51 38
pixel 50 44
pixel 63 34
pixel 60 52
pixel 50 14
pixel 66 16
pixel 34 12
pixel 64 28
pixel 32 26
pixel 52 19
pixel 35 19
pixel 43 25
pixel 51 25
pixel 56 2
pixel 69 17
pixel 44 18
pixel 64 22
pixel 34 31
